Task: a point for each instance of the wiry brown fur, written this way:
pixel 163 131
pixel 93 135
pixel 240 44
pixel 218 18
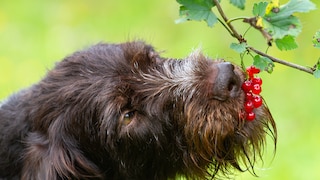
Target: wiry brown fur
pixel 120 111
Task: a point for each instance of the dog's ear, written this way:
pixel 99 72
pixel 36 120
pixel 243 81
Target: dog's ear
pixel 56 157
pixel 140 55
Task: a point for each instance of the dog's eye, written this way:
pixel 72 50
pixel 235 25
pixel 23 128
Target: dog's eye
pixel 128 117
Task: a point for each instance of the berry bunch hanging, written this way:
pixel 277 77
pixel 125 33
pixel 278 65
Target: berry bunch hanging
pixel 252 90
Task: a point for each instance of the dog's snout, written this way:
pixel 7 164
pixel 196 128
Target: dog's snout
pixel 227 83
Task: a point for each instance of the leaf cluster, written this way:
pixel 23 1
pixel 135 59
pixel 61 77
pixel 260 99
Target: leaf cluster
pixel 280 22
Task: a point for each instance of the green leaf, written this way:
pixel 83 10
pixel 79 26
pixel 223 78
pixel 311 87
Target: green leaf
pixel 316 73
pixel 238 3
pixel 197 10
pixel 316 39
pixel 281 22
pixel 286 43
pixel 259 9
pixel 283 27
pixel 295 6
pixel 240 48
pixel 263 63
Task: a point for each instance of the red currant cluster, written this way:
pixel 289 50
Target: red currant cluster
pixel 252 89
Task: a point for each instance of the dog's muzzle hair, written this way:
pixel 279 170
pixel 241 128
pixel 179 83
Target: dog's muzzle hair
pixel 121 111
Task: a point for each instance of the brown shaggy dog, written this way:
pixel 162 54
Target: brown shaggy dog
pixel 120 111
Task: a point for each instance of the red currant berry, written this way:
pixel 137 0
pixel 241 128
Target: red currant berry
pixel 250 74
pixel 257 101
pixel 247 86
pixel 254 70
pixel 251 70
pixel 257 80
pixel 249 96
pixel 256 89
pixel 250 116
pixel 248 106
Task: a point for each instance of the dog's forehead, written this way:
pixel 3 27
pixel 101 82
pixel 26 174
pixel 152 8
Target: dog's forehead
pixel 139 54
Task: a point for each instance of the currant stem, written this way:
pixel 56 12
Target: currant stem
pixel 225 26
pixel 236 18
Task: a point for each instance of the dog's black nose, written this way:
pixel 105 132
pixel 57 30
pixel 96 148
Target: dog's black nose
pixel 227 83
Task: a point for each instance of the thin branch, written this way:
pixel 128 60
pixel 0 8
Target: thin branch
pixel 223 15
pixel 244 34
pixel 237 18
pixel 253 23
pixel 225 26
pixel 283 62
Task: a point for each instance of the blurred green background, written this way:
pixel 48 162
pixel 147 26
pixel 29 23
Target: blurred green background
pixel 34 34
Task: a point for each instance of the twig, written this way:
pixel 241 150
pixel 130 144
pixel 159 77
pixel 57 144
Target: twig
pixel 253 23
pixel 225 26
pixel 223 15
pixel 237 18
pixel 283 62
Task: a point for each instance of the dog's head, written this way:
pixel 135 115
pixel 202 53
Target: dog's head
pixel 129 106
